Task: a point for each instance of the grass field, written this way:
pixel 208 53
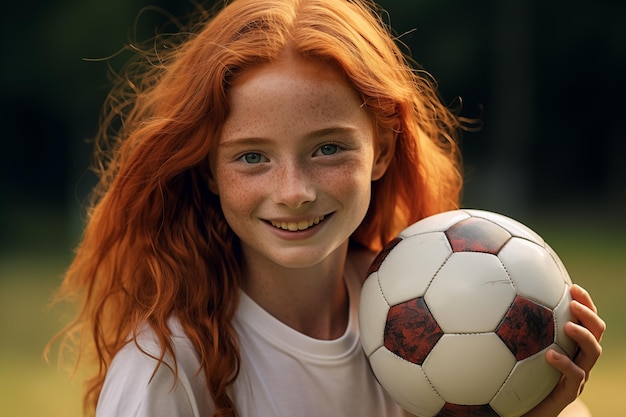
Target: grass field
pixel 595 256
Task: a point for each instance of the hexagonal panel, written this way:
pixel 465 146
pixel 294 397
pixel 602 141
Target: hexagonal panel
pixel 406 383
pixel 514 227
pixel 562 315
pixel 372 314
pixel 470 294
pixel 408 269
pixel 411 331
pixel 436 223
pixel 454 410
pixel 533 271
pixel 559 262
pixel 530 382
pixel 380 257
pixel 527 328
pixel 470 368
pixel 477 235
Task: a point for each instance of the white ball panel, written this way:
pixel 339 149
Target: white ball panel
pixel 531 380
pixel 469 369
pixel 373 311
pixel 406 383
pixel 470 294
pixel 514 227
pixel 533 271
pixel 562 315
pixel 437 223
pixel 408 269
pixel 560 264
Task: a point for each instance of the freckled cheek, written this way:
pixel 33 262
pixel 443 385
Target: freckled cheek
pixel 353 180
pixel 239 196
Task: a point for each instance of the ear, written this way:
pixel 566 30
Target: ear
pixel 212 184
pixel 209 177
pixel 383 152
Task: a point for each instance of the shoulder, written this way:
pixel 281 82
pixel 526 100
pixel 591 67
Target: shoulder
pixel 138 384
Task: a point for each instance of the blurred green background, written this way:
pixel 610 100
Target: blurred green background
pixel 547 79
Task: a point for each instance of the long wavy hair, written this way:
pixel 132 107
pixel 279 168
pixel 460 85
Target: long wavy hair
pixel 156 243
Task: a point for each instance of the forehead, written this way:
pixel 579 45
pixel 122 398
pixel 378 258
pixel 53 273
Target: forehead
pixel 292 95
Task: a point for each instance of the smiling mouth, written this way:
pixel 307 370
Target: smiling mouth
pixel 297 226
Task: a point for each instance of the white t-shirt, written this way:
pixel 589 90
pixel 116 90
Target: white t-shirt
pixel 283 373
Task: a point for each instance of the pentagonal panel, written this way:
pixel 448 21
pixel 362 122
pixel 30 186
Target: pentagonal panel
pixel 470 294
pixel 562 315
pixel 529 383
pixel 372 314
pixel 470 368
pixel 408 269
pixel 406 383
pixel 436 223
pixel 411 331
pixel 514 227
pixel 527 328
pixel 533 271
pixel 477 235
pixel 455 410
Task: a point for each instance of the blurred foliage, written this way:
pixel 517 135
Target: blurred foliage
pixel 545 77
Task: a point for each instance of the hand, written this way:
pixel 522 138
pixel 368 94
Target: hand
pixel 587 333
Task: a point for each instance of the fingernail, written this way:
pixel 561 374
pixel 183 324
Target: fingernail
pixel 556 355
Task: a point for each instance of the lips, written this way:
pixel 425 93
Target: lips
pixel 297 226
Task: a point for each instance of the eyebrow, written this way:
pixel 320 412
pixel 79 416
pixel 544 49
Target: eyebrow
pixel 330 131
pixel 321 133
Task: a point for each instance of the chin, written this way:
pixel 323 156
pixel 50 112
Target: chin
pixel 305 257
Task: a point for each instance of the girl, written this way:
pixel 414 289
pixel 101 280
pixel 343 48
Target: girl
pixel 258 167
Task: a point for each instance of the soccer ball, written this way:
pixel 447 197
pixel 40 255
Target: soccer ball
pixel 458 311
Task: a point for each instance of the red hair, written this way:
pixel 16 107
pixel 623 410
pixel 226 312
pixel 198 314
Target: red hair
pixel 156 243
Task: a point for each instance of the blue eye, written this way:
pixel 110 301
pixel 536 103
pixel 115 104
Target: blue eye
pixel 252 158
pixel 329 149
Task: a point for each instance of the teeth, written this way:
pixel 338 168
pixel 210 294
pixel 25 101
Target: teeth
pixel 295 226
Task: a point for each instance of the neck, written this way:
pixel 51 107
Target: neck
pixel 312 300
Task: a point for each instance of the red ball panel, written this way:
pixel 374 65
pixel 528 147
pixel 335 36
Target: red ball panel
pixel 477 235
pixel 378 260
pixel 527 328
pixel 453 410
pixel 411 331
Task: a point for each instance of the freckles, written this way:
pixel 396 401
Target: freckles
pixel 328 107
pixel 234 191
pixel 348 179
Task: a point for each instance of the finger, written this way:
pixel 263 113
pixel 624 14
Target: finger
pixel 588 318
pixel 590 348
pixel 581 295
pixel 573 379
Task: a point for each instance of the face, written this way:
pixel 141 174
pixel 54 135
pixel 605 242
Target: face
pixel 295 163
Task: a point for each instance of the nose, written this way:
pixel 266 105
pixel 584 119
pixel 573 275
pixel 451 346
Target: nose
pixel 294 185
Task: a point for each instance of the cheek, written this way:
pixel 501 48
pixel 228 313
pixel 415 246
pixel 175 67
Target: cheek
pixel 237 196
pixel 353 180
